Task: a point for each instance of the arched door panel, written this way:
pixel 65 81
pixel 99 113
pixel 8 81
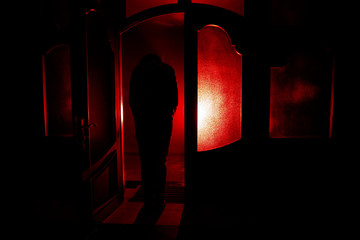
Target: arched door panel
pixel 219 89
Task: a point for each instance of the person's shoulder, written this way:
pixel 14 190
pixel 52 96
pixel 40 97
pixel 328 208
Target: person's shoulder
pixel 169 68
pixel 138 68
pixel 138 71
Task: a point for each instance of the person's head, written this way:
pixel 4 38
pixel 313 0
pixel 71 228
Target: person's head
pixel 150 58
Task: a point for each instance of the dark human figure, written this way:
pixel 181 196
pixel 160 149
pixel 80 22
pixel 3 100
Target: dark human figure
pixel 153 99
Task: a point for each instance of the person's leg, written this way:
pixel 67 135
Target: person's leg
pixel 160 181
pixel 147 183
pixel 162 152
pixel 154 144
pixel 145 152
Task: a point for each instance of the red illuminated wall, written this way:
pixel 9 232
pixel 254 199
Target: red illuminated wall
pixel 219 89
pixel 136 6
pixel 162 35
pixel 232 5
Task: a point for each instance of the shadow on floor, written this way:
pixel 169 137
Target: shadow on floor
pixel 205 224
pixel 144 227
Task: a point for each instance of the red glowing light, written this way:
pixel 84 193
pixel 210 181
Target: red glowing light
pixel 219 89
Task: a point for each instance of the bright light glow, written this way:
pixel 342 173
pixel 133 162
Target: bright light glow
pixel 219 89
pixel 209 105
pixel 204 110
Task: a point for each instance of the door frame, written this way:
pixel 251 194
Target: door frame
pixel 192 22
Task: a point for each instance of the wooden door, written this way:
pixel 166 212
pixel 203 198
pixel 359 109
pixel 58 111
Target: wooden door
pixel 216 72
pixel 100 125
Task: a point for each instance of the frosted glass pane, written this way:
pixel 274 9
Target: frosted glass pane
pixel 219 89
pixel 57 94
pixel 300 96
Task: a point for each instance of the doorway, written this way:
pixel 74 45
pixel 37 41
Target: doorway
pixel 162 35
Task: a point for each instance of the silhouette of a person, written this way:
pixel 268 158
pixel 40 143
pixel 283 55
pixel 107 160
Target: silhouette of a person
pixel 153 99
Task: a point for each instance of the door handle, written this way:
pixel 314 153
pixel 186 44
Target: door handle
pixel 86 126
pixel 89 125
pixel 85 133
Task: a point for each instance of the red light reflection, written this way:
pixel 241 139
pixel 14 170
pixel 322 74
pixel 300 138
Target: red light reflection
pixel 219 89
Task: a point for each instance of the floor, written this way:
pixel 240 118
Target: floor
pixel 174 163
pixel 125 222
pixel 129 211
pixel 180 222
pixel 175 223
